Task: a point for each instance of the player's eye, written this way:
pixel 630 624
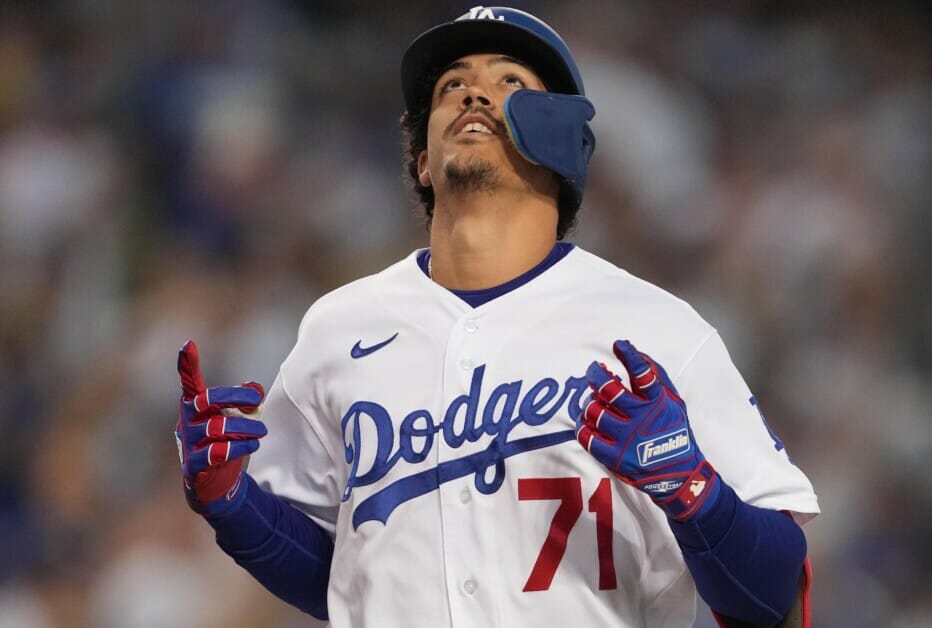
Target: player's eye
pixel 451 84
pixel 513 80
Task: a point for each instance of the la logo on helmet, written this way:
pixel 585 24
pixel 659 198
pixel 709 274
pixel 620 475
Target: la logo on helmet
pixel 481 13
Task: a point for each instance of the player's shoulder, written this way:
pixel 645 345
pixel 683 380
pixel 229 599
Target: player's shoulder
pixel 617 285
pixel 358 298
pixel 601 267
pixel 615 302
pixel 340 317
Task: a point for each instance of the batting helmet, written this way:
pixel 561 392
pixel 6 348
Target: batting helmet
pixel 549 130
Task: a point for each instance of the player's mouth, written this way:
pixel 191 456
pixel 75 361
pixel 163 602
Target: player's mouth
pixel 474 125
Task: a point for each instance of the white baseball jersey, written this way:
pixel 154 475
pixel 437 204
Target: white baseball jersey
pixel 435 442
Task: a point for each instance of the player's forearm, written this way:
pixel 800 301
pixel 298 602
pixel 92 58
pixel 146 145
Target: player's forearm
pixel 281 547
pixel 745 561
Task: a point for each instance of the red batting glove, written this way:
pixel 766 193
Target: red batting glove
pixel 213 436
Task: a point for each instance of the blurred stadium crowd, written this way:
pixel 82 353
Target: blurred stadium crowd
pixel 175 169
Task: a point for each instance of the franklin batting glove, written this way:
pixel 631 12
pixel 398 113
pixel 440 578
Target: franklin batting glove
pixel 642 435
pixel 213 436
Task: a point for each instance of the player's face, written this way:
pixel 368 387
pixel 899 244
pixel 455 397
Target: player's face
pixel 467 141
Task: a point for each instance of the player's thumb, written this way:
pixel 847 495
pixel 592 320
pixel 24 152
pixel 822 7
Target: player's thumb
pixel 189 368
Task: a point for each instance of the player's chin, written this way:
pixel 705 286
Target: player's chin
pixel 470 171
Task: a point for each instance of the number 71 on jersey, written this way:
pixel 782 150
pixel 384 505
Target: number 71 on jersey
pixel 568 491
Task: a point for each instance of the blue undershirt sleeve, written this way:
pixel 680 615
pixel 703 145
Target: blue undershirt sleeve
pixel 746 561
pixel 280 546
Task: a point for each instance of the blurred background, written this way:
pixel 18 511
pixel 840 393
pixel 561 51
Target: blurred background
pixel 205 169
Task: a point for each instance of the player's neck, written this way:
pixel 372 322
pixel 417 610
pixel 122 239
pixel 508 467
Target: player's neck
pixel 483 240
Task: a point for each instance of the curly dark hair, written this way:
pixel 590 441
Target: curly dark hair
pixel 414 141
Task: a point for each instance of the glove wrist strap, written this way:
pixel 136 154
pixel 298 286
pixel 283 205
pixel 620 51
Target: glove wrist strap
pixel 229 503
pixel 700 488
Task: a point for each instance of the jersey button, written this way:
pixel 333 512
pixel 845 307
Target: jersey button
pixel 465 496
pixel 470 586
pixel 466 364
pixel 470 326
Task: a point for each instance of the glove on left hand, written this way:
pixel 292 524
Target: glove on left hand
pixel 213 437
pixel 643 434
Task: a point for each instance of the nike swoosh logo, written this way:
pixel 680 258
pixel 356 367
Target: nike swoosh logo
pixel 358 351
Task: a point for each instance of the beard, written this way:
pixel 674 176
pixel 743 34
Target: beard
pixel 471 175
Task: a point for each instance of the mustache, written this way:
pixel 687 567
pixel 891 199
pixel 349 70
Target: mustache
pixel 495 125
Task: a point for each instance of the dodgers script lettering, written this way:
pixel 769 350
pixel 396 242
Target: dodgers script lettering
pixel 468 418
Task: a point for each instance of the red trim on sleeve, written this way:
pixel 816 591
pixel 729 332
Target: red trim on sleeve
pixel 805 606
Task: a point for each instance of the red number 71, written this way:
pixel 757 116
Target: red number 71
pixel 569 492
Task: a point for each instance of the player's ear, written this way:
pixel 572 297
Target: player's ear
pixel 423 171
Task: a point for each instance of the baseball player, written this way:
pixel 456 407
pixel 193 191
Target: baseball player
pixel 502 429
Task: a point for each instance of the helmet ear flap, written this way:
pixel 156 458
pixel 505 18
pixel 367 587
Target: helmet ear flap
pixel 553 130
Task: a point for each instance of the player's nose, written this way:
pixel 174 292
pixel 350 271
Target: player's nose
pixel 473 96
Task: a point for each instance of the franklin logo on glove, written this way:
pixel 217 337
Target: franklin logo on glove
pixel 663 448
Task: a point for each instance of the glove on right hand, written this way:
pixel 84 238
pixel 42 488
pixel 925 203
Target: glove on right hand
pixel 213 437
